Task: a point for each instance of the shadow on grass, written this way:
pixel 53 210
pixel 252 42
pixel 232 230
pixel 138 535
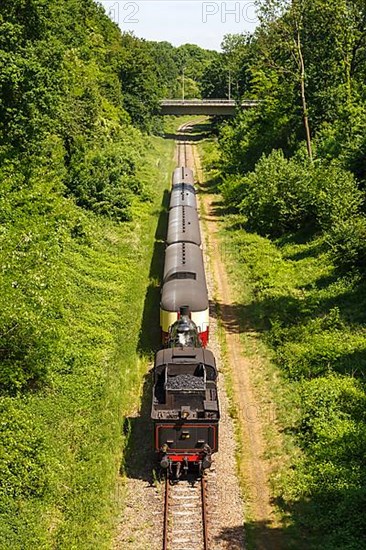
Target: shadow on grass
pixel 309 528
pixel 259 535
pixel 149 338
pixel 301 236
pixel 139 451
pixel 195 132
pixel 201 128
pixel 314 250
pixel 211 187
pixel 302 317
pixel 330 519
pixel 186 137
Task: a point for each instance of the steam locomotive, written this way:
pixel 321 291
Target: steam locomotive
pixel 185 407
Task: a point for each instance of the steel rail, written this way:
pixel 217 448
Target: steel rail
pixel 201 512
pixel 204 511
pixel 166 514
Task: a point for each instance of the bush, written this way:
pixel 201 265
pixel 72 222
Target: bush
pixel 23 456
pixel 273 200
pixel 347 241
pixel 333 194
pixel 103 178
pixel 33 233
pixel 283 195
pixel 233 190
pixel 328 401
pixel 329 479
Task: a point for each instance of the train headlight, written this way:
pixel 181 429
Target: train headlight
pixel 185 412
pixel 185 435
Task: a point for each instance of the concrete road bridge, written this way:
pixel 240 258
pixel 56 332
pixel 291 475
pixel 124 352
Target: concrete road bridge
pixel 203 106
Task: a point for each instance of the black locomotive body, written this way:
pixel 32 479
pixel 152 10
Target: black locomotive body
pixel 185 408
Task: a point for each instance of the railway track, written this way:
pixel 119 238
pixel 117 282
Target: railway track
pixel 185 515
pixel 184 147
pixel 182 153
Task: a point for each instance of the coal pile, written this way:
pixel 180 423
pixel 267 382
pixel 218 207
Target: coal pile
pixel 185 382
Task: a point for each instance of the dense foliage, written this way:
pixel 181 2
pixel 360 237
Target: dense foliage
pixel 311 91
pixel 292 296
pixel 293 174
pixel 283 195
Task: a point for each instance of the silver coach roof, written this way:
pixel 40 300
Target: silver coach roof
pixel 184 292
pixel 183 258
pixel 183 225
pixel 183 195
pixel 183 175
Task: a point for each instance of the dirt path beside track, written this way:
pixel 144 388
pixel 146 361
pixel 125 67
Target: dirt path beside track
pixel 254 469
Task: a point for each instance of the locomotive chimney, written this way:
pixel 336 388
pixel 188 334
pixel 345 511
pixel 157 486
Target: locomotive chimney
pixel 184 310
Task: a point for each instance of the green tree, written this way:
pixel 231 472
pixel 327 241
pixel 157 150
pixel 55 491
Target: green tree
pixel 140 84
pixel 236 58
pixel 281 47
pixel 215 80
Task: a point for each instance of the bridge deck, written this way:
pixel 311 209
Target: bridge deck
pixel 203 106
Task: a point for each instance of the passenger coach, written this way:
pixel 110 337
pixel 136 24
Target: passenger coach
pixel 184 281
pixel 182 175
pixel 183 226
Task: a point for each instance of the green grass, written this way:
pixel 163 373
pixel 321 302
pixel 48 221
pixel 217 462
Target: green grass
pixel 68 438
pixel 172 123
pixel 305 324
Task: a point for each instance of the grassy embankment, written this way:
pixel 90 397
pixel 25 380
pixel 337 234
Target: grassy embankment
pixel 66 442
pixel 173 123
pixel 303 323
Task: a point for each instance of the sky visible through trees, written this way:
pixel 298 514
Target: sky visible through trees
pixel 182 21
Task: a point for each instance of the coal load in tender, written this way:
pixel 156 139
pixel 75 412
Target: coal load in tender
pixel 185 382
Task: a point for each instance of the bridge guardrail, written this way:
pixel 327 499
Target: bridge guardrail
pixel 226 102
